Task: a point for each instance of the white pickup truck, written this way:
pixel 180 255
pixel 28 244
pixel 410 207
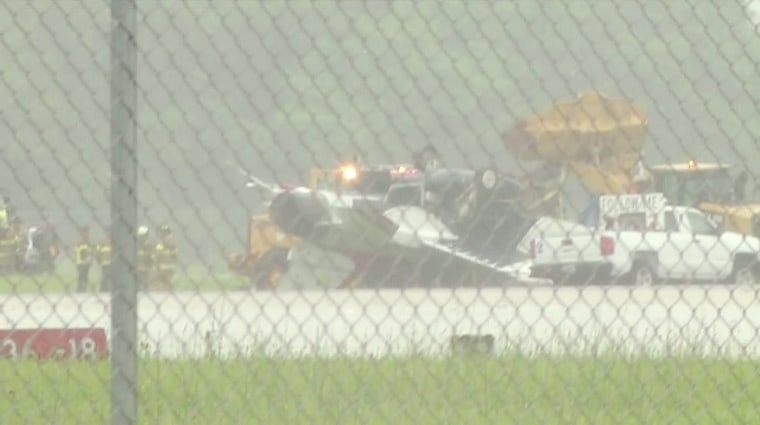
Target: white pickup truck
pixel 689 247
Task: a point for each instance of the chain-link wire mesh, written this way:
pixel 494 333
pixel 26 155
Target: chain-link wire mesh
pixel 387 212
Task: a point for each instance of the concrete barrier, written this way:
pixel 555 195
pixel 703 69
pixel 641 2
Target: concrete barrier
pixel 706 320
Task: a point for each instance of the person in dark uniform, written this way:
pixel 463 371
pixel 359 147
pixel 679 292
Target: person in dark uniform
pixel 165 258
pixel 144 258
pixel 104 259
pixel 83 257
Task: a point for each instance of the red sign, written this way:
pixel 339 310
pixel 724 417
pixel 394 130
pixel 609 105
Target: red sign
pixel 54 344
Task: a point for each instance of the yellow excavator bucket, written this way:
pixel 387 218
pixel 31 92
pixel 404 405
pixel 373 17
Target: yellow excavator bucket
pixel 591 127
pixel 594 137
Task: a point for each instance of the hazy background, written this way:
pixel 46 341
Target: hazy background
pixel 284 86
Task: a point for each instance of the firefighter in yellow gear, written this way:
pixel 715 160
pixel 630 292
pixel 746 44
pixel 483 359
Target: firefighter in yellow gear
pixel 103 251
pixel 83 257
pixel 144 258
pixel 8 252
pixel 18 235
pixel 7 214
pixel 4 219
pixel 165 258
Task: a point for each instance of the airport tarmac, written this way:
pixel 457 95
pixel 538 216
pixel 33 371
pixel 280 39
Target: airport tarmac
pixel 708 320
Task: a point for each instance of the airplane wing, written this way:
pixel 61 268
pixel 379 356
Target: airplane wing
pixel 449 254
pixel 421 232
pixel 255 182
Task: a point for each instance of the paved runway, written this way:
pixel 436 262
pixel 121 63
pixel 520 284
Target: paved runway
pixel 710 320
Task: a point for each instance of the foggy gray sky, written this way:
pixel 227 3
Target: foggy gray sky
pixel 283 86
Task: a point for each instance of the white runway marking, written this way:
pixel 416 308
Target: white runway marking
pixel 709 320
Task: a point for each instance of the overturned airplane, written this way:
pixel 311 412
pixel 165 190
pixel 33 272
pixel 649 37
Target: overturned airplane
pixel 412 226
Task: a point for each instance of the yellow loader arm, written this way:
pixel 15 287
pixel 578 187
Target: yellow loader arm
pixel 596 138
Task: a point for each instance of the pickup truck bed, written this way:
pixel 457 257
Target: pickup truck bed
pixel 568 253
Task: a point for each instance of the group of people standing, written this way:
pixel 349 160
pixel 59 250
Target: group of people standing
pixel 156 262
pixel 23 249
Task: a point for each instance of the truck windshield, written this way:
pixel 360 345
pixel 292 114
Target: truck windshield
pixel 690 189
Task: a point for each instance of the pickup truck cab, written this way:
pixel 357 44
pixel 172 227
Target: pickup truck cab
pixel 686 246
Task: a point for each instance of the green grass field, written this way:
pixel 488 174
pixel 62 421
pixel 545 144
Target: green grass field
pixel 462 390
pixel 510 389
pixel 66 282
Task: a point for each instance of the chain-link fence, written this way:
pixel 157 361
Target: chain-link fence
pixel 379 212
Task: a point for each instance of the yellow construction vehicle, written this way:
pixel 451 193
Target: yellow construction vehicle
pixel 333 178
pixel 596 138
pixel 712 188
pixel 600 141
pixel 351 175
pixel 267 257
pixel 743 219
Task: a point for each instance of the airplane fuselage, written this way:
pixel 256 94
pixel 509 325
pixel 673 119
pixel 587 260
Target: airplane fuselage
pixel 416 222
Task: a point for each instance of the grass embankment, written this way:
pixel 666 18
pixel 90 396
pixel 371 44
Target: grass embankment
pixel 461 390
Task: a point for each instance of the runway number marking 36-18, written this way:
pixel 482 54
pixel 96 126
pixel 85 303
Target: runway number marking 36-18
pixel 54 344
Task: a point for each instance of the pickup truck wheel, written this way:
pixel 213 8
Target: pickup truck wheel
pixel 272 277
pixel 744 277
pixel 275 276
pixel 642 276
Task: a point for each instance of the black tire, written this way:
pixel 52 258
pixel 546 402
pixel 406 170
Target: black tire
pixel 271 269
pixel 642 274
pixel 744 272
pixel 486 180
pixel 272 277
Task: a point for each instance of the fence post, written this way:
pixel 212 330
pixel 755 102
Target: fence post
pixel 123 213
